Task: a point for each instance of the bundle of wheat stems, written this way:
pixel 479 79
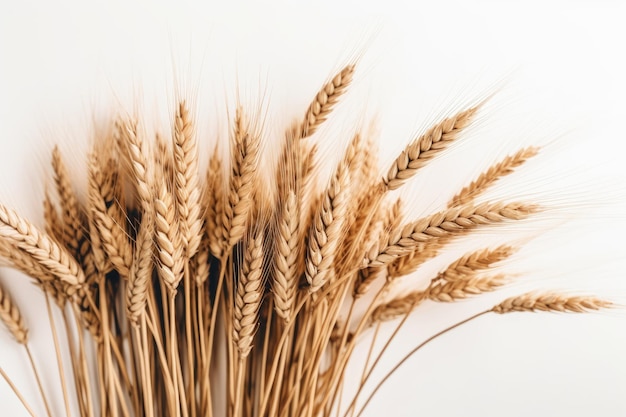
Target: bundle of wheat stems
pixel 190 295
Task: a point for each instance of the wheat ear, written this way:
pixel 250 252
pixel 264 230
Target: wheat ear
pixel 325 100
pixel 141 268
pixel 186 181
pixel 286 257
pixel 170 250
pixel 55 259
pixel 419 152
pixel 71 213
pixel 460 289
pixel 214 197
pixel 551 301
pixel 327 229
pixel 470 263
pixel 12 318
pixel 446 223
pixel 249 294
pixel 111 233
pixel 241 194
pixel 491 175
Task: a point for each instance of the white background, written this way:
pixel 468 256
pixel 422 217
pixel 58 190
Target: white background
pixel 559 71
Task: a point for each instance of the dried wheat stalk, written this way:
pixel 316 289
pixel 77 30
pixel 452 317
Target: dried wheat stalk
pixel 196 284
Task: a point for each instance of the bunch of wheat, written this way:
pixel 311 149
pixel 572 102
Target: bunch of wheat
pixel 215 297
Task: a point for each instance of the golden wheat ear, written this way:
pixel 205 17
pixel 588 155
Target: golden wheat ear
pixel 12 318
pixel 551 301
pixel 325 100
pixel 429 145
pixel 492 175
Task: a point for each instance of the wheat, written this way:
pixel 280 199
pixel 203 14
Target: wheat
pixel 241 193
pixel 262 287
pixel 550 301
pixel 325 100
pixel 215 201
pixel 12 318
pixel 141 268
pixel 286 257
pixel 186 181
pixel 493 174
pixel 111 233
pixel 249 295
pixel 446 223
pixel 72 213
pixel 168 240
pixel 54 259
pixel 398 307
pixel 419 152
pixel 463 288
pixel 326 231
pixel 469 264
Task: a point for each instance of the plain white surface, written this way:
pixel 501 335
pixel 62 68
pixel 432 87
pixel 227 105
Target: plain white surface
pixel 559 68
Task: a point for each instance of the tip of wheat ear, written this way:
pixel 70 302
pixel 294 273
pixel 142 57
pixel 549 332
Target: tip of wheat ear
pixel 551 301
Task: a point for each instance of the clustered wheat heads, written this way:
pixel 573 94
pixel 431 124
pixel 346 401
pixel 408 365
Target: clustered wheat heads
pixel 205 295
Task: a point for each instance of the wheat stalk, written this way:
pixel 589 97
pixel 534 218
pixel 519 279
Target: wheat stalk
pixel 228 282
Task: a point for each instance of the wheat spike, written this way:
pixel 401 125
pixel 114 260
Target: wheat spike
pixel 54 259
pixel 419 152
pixel 286 257
pixel 141 269
pixel 460 289
pixel 71 213
pixel 170 249
pixel 249 295
pixel 23 261
pixel 241 194
pixel 326 231
pixel 12 318
pixel 186 181
pixel 470 263
pixel 136 151
pixel 551 301
pixel 491 175
pixel 325 100
pixel 397 307
pixel 106 218
pixel 447 223
pixel 215 201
